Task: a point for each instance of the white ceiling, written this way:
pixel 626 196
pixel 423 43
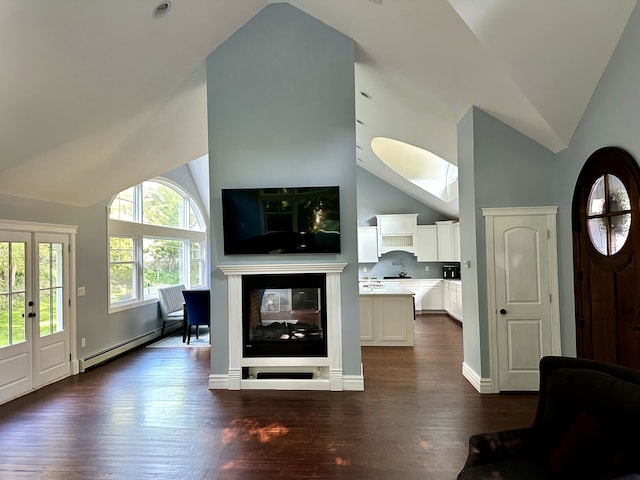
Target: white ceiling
pixel 96 96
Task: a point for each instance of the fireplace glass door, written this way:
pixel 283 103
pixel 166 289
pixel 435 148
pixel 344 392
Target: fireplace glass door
pixel 284 315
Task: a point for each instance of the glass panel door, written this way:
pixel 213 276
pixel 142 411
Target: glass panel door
pixel 12 292
pixel 51 359
pixel 15 321
pixel 51 288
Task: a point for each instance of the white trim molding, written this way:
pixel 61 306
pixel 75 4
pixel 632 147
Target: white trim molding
pixel 327 371
pixel 492 384
pixel 482 385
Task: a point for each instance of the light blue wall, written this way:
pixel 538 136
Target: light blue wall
pixel 471 282
pixel 100 329
pixel 612 118
pixel 512 170
pixel 376 197
pixel 509 170
pixel 281 109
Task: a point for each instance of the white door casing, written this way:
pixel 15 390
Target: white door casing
pixel 47 352
pixel 522 292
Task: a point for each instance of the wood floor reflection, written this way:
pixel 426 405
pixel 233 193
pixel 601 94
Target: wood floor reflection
pixel 150 415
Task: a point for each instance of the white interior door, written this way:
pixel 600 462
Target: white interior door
pixel 523 310
pixel 16 343
pixel 34 311
pixel 52 359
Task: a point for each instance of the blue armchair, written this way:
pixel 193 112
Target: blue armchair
pixel 197 304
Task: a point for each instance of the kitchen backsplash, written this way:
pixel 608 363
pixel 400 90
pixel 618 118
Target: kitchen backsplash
pixel 392 264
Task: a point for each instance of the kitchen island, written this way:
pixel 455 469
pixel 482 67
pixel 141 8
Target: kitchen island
pixel 386 315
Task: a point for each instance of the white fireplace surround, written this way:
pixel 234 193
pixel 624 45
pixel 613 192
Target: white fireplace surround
pixel 327 371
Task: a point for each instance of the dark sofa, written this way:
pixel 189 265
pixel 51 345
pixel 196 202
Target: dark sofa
pixel 586 426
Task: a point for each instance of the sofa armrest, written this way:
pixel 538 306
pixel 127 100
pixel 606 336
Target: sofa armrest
pixel 496 446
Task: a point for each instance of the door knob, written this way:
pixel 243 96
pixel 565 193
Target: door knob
pixel 503 311
pixel 636 328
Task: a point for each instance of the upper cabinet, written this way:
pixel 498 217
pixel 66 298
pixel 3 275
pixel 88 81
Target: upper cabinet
pixel 367 244
pixel 456 241
pixel 427 243
pixel 430 243
pixel 448 241
pixel 397 232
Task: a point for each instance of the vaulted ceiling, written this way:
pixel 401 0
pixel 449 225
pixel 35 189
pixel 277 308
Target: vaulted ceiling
pixel 96 96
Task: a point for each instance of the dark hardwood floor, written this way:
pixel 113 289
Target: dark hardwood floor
pixel 150 415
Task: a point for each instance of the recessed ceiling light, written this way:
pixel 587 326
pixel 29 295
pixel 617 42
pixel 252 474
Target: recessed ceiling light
pixel 161 10
pixel 366 95
pixel 377 2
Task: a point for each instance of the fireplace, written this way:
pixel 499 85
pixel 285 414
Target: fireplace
pixel 319 306
pixel 284 315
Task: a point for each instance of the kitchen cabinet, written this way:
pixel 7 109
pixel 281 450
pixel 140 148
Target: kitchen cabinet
pixel 453 297
pixel 427 292
pixel 427 243
pixel 432 299
pixel 455 230
pixel 386 315
pixel 367 244
pixel 448 241
pixel 397 232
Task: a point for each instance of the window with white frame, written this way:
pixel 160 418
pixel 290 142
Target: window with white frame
pixel 157 238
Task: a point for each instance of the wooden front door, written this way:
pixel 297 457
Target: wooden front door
pixel 606 242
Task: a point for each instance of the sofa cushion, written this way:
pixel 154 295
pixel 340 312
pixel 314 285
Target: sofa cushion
pixel 590 449
pixel 609 400
pixel 510 469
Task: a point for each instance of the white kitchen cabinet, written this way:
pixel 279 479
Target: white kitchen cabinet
pixel 448 241
pixel 367 244
pixel 427 243
pixel 427 292
pixel 456 241
pixel 432 299
pixel 445 295
pixel 397 232
pixel 386 316
pixel 445 241
pixel 418 290
pixel 454 298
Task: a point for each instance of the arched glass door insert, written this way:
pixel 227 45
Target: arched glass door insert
pixel 608 214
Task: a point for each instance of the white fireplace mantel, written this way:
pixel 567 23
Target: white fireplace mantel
pixel 328 370
pixel 276 268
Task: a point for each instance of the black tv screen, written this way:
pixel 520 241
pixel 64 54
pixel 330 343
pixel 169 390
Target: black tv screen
pixel 281 220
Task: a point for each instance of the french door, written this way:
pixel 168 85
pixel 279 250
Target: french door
pixel 34 311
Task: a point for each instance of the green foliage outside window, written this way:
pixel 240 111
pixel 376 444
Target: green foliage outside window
pixel 12 292
pixel 154 259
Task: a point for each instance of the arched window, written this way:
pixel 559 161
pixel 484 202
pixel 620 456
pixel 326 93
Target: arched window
pixel 157 238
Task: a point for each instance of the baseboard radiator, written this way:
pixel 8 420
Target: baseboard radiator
pixel 116 350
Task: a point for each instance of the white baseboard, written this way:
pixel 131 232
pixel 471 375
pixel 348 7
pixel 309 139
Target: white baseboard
pixel 482 385
pixel 112 352
pixel 353 383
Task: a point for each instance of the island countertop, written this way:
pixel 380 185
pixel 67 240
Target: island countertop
pixel 374 288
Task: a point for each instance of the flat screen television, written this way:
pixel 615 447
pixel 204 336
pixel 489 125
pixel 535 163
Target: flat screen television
pixel 281 220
